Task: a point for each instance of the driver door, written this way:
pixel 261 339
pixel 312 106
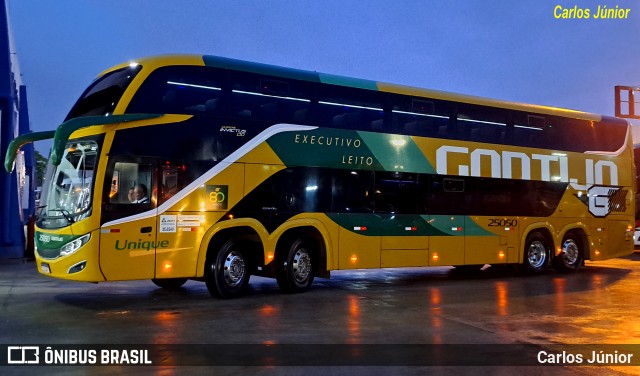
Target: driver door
pixel 128 233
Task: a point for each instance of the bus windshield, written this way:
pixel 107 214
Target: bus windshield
pixel 67 191
pixel 102 96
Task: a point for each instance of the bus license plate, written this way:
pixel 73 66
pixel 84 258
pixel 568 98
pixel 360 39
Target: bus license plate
pixel 45 268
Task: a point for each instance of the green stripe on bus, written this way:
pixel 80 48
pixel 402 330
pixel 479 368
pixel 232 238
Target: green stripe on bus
pixel 397 152
pixel 348 81
pixel 474 229
pixel 385 224
pixel 456 225
pixel 323 147
pixel 247 66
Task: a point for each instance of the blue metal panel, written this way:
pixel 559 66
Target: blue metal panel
pixel 12 242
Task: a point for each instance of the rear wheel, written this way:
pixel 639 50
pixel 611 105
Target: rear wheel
pixel 295 268
pixel 571 257
pixel 169 283
pixel 227 272
pixel 537 253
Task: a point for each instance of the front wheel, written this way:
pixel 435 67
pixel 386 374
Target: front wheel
pixel 295 269
pixel 570 259
pixel 537 253
pixel 227 272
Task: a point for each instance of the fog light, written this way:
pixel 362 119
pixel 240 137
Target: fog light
pixel 77 267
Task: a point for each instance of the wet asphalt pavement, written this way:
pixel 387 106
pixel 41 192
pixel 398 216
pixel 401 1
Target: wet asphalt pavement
pixel 359 322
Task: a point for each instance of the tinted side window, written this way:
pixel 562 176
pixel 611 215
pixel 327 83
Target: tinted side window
pixel 286 193
pixel 611 133
pixel 446 195
pixel 396 192
pixel 513 197
pixel 420 117
pixel 270 98
pixel 172 179
pixel 181 90
pixel 353 192
pixel 349 108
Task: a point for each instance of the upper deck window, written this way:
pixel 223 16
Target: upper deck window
pixel 102 96
pixel 269 99
pixel 180 90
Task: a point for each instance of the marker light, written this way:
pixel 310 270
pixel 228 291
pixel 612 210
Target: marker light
pixel 435 257
pixel 354 259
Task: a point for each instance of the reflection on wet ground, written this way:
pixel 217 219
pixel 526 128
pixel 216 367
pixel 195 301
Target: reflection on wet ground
pixel 497 305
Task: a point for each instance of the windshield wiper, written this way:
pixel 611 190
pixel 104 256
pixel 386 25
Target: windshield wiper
pixel 65 214
pixel 38 211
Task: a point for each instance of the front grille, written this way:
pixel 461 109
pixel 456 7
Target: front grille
pixel 49 254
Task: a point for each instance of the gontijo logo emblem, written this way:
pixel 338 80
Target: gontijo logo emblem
pixel 603 199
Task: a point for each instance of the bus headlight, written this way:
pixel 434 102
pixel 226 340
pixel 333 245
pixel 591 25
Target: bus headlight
pixel 74 245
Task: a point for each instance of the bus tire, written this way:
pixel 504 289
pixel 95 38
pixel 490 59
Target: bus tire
pixel 571 257
pixel 537 253
pixel 294 271
pixel 169 283
pixel 227 271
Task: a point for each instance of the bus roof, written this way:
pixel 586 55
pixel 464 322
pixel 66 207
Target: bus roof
pixel 311 76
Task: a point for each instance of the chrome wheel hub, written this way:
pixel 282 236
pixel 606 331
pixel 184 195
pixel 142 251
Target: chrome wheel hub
pixel 570 252
pixel 537 254
pixel 234 269
pixel 301 265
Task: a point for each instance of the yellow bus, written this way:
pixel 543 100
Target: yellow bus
pixel 199 167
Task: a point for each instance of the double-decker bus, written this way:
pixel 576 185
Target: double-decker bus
pixel 213 169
